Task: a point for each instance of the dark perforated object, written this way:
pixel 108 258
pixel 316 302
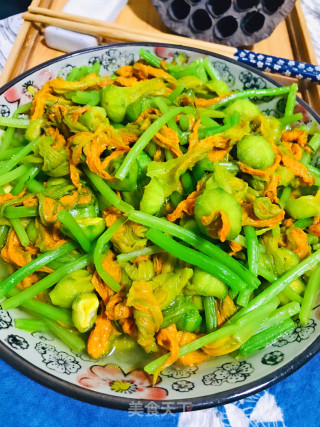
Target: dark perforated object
pixel 231 22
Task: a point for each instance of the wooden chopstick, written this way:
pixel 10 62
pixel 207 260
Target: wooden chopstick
pixel 96 27
pixel 118 32
pixel 81 19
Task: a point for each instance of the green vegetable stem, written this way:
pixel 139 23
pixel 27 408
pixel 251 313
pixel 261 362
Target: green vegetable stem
pixel 44 283
pixel 33 266
pixel 195 258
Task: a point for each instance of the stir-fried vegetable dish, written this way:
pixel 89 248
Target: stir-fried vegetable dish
pixel 156 209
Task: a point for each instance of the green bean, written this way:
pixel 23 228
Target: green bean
pixel 262 339
pixel 193 257
pixel 249 93
pixel 290 119
pixel 150 58
pixel 6 140
pixel 291 100
pixel 253 320
pixel 279 315
pixel 12 175
pixel 59 262
pixel 233 294
pixel 152 149
pixel 102 241
pixel 109 195
pixel 209 166
pixel 149 250
pixel 168 153
pixel 267 274
pixel 20 231
pixel 161 104
pixel 68 221
pixel 241 240
pixel 187 183
pixel 206 132
pixel 44 309
pixel 198 242
pixel 176 92
pixel 244 297
pixel 231 167
pixel 163 107
pixel 212 73
pixel 78 72
pixel 315 172
pixel 292 295
pixel 14 123
pixel 91 97
pixel 201 73
pixel 252 249
pixel 284 197
pixel 32 172
pixel 198 172
pixel 275 231
pixel 4 229
pixel 5 221
pixel 33 266
pixel 10 164
pixel 305 158
pixel 144 139
pixel 314 142
pixel 312 240
pixel 184 122
pixel 20 212
pixel 175 198
pixel 178 71
pixel 73 75
pixel 210 311
pixel 205 120
pixel 8 153
pixel 303 223
pixel 49 311
pixel 31 325
pixel 34 186
pixel 280 284
pixel 309 297
pixel 73 341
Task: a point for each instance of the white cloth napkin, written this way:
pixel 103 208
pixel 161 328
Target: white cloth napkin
pixel 311 10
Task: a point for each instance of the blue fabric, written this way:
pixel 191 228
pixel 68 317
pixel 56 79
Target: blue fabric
pixel 299 396
pixel 24 402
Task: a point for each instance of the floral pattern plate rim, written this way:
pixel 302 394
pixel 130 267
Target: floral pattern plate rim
pixel 116 383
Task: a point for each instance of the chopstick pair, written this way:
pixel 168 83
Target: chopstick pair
pixel 95 27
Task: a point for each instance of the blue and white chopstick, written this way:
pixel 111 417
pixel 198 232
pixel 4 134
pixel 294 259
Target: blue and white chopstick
pixel 273 64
